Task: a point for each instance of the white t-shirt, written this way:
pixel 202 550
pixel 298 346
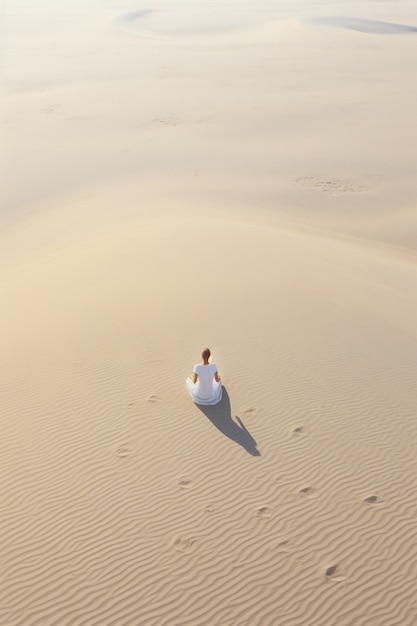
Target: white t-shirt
pixel 205 378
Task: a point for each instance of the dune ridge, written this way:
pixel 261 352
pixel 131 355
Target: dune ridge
pixel 362 25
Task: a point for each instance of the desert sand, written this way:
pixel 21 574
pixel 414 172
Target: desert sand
pixel 238 176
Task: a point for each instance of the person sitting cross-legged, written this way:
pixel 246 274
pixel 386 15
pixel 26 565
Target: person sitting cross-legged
pixel 205 386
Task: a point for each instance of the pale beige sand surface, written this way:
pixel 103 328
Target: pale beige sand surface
pixel 241 177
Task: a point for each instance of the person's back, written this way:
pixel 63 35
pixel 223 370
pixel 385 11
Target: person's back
pixel 205 377
pixel 206 386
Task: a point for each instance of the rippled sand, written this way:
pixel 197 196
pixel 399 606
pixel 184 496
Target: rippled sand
pixel 238 176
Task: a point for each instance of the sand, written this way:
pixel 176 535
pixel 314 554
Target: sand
pixel 242 177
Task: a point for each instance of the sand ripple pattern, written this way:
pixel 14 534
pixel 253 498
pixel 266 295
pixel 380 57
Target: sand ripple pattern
pixel 293 502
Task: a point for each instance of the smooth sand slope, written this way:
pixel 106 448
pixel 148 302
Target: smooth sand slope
pixel 243 184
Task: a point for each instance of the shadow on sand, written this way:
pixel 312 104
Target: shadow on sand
pixel 221 417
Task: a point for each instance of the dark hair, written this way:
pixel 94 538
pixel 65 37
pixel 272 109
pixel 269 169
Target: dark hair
pixel 206 354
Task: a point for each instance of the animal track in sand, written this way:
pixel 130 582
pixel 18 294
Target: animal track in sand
pixel 153 399
pixel 123 451
pixel 334 573
pixel 264 512
pixel 308 492
pixel 184 544
pixel 336 185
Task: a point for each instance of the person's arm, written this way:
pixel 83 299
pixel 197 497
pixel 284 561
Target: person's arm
pixel 216 377
pixel 195 378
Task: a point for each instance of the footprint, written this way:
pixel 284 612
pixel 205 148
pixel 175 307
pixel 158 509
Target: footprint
pixel 308 492
pixel 264 511
pixel 185 483
pixel 153 399
pixel 168 120
pixel 334 185
pixel 123 451
pixel 372 500
pixel 299 430
pixel 184 544
pixel 334 573
pixel 52 108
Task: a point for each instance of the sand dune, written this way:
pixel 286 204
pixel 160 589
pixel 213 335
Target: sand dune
pixel 252 190
pixel 200 25
pixel 374 27
pixel 196 24
pixel 293 498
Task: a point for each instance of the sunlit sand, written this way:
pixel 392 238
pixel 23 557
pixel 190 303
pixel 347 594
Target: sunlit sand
pixel 238 176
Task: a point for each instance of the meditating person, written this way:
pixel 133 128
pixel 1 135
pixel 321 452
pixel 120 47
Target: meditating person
pixel 205 386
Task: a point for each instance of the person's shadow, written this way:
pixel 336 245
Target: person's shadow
pixel 220 416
